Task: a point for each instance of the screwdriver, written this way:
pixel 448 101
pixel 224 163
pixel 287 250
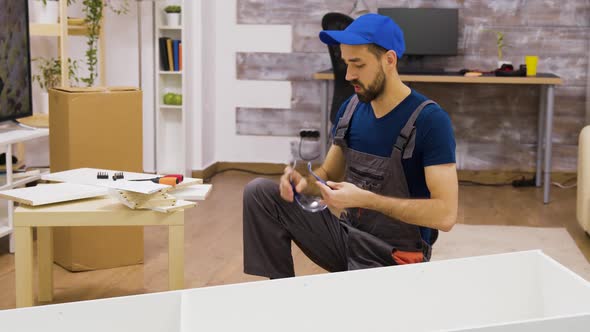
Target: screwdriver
pixel 170 179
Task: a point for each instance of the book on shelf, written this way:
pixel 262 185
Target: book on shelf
pixel 180 55
pixel 163 53
pixel 175 44
pixel 170 54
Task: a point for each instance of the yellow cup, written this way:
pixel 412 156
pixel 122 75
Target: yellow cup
pixel 531 64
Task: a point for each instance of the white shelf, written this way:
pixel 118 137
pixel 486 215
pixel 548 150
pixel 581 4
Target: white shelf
pixel 172 121
pixel 5 230
pixel 173 107
pixel 10 135
pixel 20 182
pixel 16 135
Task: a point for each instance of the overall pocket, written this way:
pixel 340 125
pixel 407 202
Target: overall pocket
pixel 365 180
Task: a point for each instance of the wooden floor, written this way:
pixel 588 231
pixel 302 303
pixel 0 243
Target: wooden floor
pixel 213 245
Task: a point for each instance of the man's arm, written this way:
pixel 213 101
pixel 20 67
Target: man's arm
pixel 333 167
pixel 440 211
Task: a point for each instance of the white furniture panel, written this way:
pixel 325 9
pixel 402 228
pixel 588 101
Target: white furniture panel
pixel 522 291
pixel 54 193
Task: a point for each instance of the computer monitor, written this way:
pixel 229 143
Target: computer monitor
pixel 15 60
pixel 427 31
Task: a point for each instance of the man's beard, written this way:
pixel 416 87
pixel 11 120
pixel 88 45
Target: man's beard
pixel 374 90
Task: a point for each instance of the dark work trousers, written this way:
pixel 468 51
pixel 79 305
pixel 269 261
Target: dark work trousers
pixel 271 223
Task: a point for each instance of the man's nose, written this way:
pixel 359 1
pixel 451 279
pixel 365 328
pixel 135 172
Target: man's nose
pixel 350 74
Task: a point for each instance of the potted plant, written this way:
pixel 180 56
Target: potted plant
pixel 45 11
pixel 500 47
pixel 93 12
pixel 172 15
pixel 49 76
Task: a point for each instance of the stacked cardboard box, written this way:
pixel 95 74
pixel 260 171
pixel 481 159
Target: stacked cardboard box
pixel 101 128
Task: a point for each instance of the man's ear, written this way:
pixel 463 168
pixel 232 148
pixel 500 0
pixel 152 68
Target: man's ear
pixel 391 57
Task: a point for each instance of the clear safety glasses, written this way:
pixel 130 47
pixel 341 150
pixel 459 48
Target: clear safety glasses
pixel 307 202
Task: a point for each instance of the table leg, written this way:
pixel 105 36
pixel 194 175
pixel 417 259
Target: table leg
pixel 8 155
pixel 325 100
pixel 10 210
pixel 176 256
pixel 548 137
pixel 45 261
pixel 23 263
pixel 540 141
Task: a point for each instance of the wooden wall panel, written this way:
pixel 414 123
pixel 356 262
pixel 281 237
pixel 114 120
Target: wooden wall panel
pixel 495 126
pixel 280 66
pixel 275 121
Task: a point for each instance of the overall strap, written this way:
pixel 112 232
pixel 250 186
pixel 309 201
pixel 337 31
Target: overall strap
pixel 344 121
pixel 406 141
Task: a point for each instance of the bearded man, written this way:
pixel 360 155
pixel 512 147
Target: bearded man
pixel 390 175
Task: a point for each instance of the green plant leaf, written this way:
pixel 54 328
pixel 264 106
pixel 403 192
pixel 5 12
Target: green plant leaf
pixel 172 9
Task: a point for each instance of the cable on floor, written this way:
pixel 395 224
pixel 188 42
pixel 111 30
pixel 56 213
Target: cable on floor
pixel 565 185
pixel 243 171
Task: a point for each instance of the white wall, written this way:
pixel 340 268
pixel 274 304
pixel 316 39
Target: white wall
pixel 226 92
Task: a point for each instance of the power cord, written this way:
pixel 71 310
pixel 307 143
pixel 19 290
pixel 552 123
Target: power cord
pixel 523 182
pixel 519 183
pixel 475 183
pixel 564 184
pixel 512 182
pixel 241 170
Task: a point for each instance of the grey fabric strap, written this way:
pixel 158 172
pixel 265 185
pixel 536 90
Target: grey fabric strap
pixel 344 121
pixel 406 141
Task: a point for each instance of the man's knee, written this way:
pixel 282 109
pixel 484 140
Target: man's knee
pixel 259 189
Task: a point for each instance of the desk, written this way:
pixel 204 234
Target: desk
pixel 92 212
pixel 546 82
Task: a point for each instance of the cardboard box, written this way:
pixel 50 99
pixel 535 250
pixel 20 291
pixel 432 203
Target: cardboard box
pixel 100 128
pixel 95 127
pixel 523 291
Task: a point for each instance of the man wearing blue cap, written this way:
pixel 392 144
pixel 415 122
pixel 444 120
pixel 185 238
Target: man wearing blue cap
pixel 392 181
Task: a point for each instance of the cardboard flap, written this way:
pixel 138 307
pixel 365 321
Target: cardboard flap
pixel 122 88
pixel 73 89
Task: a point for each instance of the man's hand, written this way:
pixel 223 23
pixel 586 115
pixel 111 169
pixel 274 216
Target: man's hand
pixel 291 175
pixel 341 195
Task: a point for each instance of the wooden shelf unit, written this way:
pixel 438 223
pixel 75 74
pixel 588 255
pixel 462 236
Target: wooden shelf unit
pixel 62 31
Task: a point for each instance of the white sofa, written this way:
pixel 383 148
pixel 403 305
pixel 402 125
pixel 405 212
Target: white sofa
pixel 583 202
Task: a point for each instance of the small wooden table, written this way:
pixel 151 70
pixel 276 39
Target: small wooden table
pixel 92 212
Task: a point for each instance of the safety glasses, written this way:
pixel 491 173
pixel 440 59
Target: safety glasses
pixel 308 203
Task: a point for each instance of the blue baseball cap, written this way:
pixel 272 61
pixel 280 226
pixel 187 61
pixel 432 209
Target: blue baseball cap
pixel 369 29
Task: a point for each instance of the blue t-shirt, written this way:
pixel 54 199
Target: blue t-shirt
pixel 435 141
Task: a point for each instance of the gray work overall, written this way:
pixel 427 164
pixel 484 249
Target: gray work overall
pixel 359 239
